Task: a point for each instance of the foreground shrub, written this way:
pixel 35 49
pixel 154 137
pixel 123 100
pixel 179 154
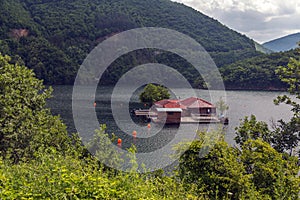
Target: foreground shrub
pixel 257 171
pixel 26 124
pixel 55 176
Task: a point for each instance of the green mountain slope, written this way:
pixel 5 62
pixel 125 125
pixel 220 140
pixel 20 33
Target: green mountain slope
pixel 257 73
pixel 53 37
pixel 284 43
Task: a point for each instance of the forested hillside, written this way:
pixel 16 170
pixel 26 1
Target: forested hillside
pixel 257 73
pixel 53 37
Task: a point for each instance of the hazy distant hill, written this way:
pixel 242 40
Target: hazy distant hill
pixel 284 43
pixel 262 48
pixel 54 36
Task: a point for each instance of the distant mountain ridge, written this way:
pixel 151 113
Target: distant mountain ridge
pixel 54 36
pixel 285 43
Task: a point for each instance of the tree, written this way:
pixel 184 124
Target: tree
pixel 99 146
pixel 26 125
pixel 218 175
pixel 153 93
pixel 257 171
pixel 288 133
pixel 272 173
pixel 252 129
pixel 222 106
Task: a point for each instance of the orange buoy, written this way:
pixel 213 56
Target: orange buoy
pixel 119 141
pixel 134 133
pixel 149 125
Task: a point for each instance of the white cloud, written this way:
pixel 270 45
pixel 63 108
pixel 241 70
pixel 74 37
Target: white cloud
pixel 261 20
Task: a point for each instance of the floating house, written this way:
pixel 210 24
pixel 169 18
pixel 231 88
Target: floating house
pixel 187 110
pixel 175 111
pixel 169 115
pixel 190 106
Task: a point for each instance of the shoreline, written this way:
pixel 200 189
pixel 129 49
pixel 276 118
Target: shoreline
pixel 226 88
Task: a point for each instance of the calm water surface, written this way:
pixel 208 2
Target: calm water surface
pixel 241 104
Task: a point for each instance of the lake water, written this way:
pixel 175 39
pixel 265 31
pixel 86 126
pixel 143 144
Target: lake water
pixel 241 104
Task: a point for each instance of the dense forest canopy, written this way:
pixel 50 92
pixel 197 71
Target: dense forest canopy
pixel 257 73
pixel 54 37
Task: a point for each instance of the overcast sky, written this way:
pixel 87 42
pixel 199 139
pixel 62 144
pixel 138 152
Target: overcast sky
pixel 261 20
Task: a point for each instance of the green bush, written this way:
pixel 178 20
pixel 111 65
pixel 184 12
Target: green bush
pixel 54 176
pixel 153 93
pixel 26 124
pixel 256 172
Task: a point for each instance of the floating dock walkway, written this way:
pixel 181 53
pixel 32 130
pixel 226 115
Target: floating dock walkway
pixel 186 119
pixel 146 113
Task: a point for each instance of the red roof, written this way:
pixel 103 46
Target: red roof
pixel 168 103
pixel 201 104
pixel 191 102
pixel 188 101
pixel 162 103
pixel 174 105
